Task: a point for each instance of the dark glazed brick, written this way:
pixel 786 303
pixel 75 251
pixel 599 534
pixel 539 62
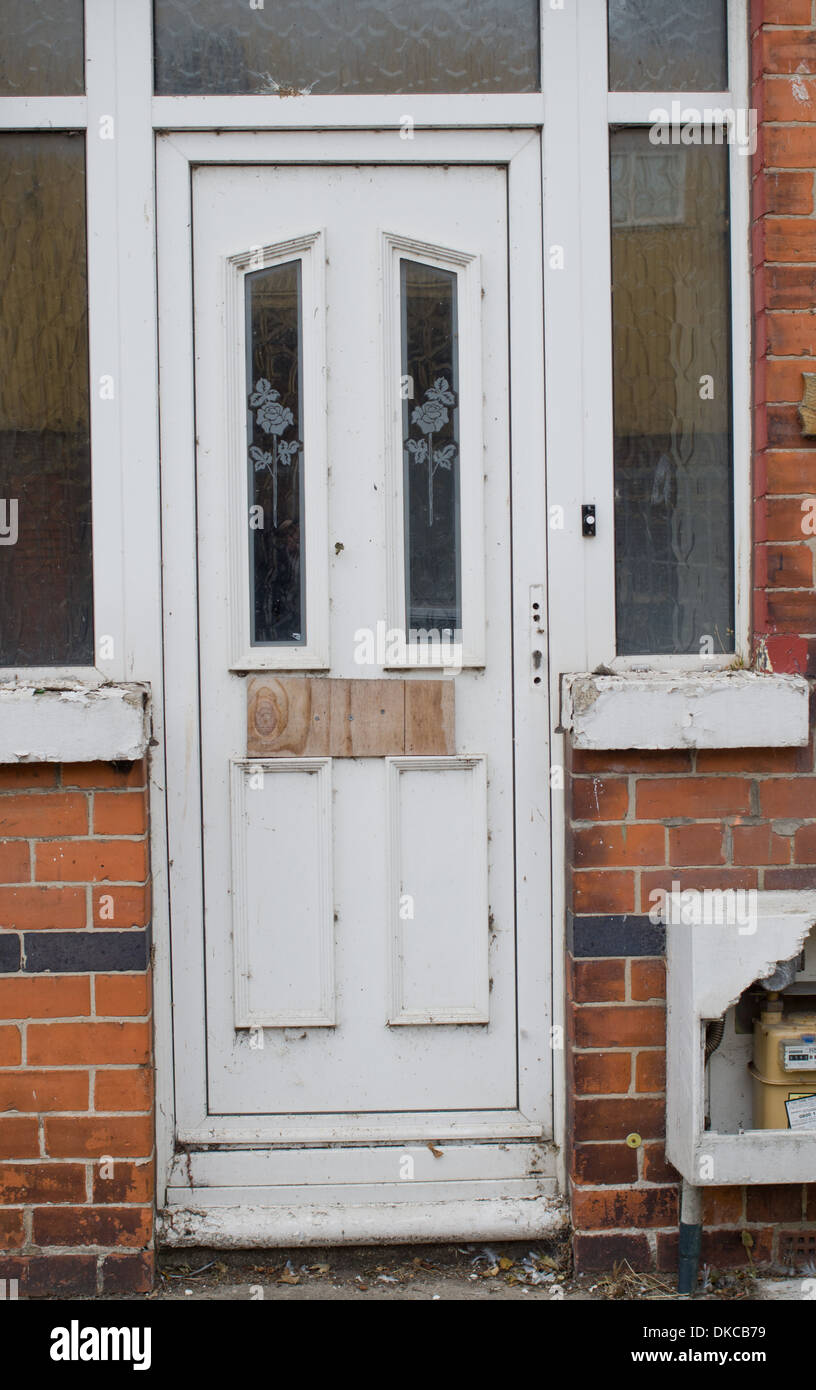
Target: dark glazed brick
pixel 604 1252
pixel 769 1203
pixel 612 1119
pixel 604 1164
pixel 69 952
pixel 9 953
pixel 656 1166
pixel 613 934
pixel 46 1276
pixel 127 1273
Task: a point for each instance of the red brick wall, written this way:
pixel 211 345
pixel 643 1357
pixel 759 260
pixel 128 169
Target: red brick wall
pixel 640 821
pixel 76 1078
pixel 784 288
pixel 708 819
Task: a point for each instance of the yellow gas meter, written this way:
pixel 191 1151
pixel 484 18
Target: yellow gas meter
pixel 784 1069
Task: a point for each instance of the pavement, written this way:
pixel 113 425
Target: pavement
pixel 521 1272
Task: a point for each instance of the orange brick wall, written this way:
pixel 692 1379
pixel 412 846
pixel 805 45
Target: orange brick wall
pixel 76 1077
pixel 784 290
pixel 640 821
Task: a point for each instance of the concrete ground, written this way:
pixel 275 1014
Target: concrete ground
pixel 434 1272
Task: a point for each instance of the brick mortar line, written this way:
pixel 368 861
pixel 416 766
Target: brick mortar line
pixel 90 1113
pixel 577 959
pixel 78 883
pixel 82 1161
pixel 697 776
pixel 89 837
pixel 84 1068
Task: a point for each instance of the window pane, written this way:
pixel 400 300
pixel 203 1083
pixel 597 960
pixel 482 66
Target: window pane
pixel 430 362
pixel 46 613
pixel 672 350
pixel 358 46
pixel 660 46
pixel 42 48
pixel 275 434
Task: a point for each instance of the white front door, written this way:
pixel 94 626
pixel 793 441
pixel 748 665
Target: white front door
pixel 365 961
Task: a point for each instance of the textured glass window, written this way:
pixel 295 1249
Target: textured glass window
pixel 663 46
pixel 672 369
pixel 430 366
pixel 42 48
pixel 46 590
pixel 334 46
pixel 275 435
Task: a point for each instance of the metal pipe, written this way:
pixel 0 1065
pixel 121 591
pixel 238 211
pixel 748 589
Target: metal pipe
pixel 691 1232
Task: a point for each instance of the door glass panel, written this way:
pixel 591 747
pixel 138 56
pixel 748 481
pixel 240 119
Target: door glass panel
pixel 312 46
pixel 275 454
pixel 42 51
pixel 430 368
pixel 46 573
pixel 672 381
pixel 660 46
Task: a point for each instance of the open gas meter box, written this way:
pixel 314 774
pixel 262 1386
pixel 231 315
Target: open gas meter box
pixel 741 1036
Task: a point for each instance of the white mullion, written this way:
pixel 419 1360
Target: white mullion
pixel 104 334
pixel 596 325
pixel 43 113
pixel 563 339
pixel 741 329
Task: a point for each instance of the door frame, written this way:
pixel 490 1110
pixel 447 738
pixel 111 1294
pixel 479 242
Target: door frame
pixel 519 151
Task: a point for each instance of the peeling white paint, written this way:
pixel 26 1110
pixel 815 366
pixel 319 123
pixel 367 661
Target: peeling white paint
pixel 799 90
pixel 73 722
pixel 722 709
pixel 251 1227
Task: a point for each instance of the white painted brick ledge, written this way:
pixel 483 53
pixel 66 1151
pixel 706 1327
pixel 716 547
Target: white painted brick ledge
pixel 715 709
pixel 73 722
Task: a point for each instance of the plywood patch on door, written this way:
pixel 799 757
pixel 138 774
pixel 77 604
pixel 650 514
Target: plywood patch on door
pixel 314 716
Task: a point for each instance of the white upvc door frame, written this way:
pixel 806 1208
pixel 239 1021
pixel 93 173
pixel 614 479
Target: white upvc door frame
pixel 519 152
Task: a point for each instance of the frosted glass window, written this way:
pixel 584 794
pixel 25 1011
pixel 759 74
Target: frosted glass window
pixel 46 589
pixel 42 48
pixel 672 383
pixel 663 46
pixel 327 47
pixel 275 454
pixel 430 366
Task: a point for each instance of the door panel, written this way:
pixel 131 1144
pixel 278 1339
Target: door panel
pixel 409 1003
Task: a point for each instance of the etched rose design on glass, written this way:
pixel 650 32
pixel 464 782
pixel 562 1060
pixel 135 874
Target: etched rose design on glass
pixel 430 417
pixel 275 419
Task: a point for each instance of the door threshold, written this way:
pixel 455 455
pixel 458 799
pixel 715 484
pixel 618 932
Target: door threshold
pixel 239 1226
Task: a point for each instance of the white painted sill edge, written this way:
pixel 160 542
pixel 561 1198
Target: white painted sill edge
pixel 655 709
pixel 73 722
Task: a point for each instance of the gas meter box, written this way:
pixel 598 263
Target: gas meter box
pixel 784 1070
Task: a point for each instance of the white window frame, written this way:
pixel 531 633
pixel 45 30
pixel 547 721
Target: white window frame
pixel 580 435
pixel 122 345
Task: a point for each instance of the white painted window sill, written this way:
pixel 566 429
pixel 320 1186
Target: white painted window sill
pixel 661 709
pixel 73 722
